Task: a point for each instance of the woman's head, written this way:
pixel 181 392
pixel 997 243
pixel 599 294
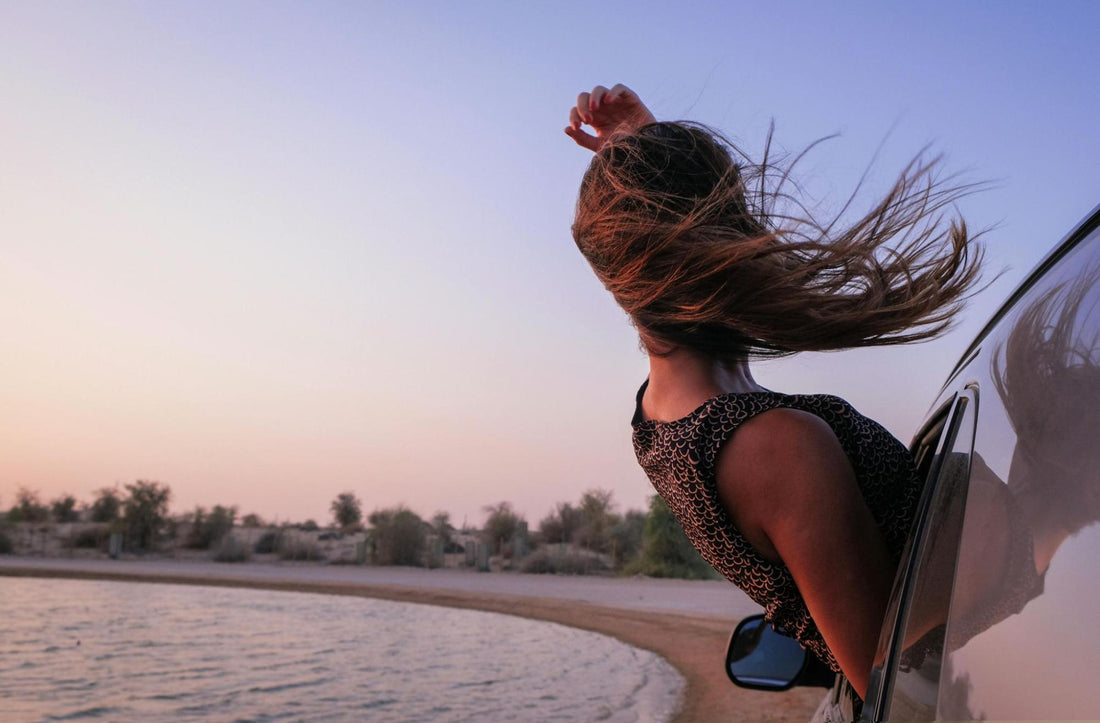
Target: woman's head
pixel 679 226
pixel 671 169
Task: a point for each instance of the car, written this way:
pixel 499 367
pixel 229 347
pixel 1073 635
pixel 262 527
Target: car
pixel 993 610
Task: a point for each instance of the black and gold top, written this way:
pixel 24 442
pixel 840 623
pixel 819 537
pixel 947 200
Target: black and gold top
pixel 680 458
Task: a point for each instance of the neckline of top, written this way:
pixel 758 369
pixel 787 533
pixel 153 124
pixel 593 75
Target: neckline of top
pixel 639 419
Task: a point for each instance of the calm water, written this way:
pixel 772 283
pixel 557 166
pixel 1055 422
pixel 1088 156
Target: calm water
pixel 76 650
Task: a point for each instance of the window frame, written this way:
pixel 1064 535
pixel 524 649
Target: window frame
pixel 939 434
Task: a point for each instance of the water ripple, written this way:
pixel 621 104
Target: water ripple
pixel 88 650
pixel 96 712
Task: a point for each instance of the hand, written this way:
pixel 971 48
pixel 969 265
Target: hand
pixel 607 111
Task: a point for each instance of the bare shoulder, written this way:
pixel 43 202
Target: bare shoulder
pixel 776 443
pixel 787 483
pixel 775 464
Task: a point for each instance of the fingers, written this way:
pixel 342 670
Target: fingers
pixel 583 139
pixel 588 103
pixel 576 119
pixel 584 108
pixel 618 92
pixel 588 109
pixel 596 97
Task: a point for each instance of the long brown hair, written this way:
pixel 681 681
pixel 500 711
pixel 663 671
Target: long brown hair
pixel 684 231
pixel 1047 374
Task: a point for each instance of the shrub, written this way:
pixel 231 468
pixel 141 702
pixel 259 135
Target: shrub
pixel 347 510
pixel 560 525
pixel 626 535
pixel 145 512
pixel 90 538
pixel 444 530
pixel 230 549
pixel 309 526
pixel 500 526
pixel 300 551
pixel 27 508
pixel 209 529
pixel 106 506
pixel 552 560
pixel 63 509
pixel 6 546
pixel 594 525
pixel 268 543
pixel 596 518
pixel 252 520
pixel 399 537
pixel 666 550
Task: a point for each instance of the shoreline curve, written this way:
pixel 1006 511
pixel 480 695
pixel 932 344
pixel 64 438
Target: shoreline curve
pixel 692 643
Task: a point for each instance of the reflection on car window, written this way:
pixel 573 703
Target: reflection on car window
pixel 917 666
pixel 1022 632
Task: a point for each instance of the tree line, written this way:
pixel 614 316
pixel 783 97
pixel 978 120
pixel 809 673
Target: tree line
pixel 585 536
pixel 139 510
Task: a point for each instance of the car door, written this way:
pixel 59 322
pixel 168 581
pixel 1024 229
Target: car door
pixel 993 611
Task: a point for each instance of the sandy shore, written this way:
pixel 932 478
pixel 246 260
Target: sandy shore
pixel 686 622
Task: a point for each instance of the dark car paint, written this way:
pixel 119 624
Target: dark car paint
pixel 1026 387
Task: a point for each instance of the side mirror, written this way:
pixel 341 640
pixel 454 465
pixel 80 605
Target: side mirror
pixel 759 657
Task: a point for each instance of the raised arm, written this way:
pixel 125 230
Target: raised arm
pixel 606 111
pixel 789 487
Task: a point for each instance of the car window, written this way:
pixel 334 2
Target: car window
pixel 927 451
pixel 916 657
pixel 1023 638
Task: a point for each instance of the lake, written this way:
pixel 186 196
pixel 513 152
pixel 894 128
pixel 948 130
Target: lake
pixel 90 650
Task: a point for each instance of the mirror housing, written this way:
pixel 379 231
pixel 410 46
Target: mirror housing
pixel 761 658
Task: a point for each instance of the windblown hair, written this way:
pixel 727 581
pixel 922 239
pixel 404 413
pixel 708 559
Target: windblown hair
pixel 684 231
pixel 1047 374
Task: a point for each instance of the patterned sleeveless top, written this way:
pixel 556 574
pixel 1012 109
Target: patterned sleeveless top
pixel 679 458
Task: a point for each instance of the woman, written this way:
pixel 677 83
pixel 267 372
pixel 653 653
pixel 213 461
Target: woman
pixel 798 499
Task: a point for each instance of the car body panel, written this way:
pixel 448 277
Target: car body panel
pixel 991 616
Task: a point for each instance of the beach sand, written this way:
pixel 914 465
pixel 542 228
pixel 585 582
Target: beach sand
pixel 686 622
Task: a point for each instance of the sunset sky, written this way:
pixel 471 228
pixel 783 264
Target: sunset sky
pixel 266 252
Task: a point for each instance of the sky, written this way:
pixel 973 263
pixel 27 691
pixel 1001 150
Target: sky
pixel 266 252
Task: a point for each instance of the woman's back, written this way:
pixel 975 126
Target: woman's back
pixel 680 457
